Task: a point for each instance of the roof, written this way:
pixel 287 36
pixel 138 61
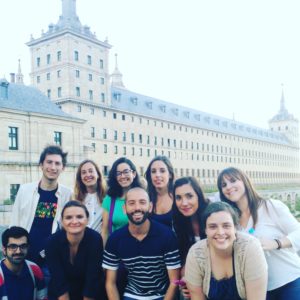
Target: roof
pixel 129 101
pixel 28 99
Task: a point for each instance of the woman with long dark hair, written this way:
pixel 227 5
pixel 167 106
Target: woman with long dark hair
pixel 160 177
pixel 90 189
pixel 122 176
pixel 188 207
pixel 273 224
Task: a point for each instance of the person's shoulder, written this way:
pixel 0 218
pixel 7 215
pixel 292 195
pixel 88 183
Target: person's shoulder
pixel 35 269
pixel 244 241
pixel 92 234
pixel 29 186
pixel 121 232
pixel 64 189
pixel 161 230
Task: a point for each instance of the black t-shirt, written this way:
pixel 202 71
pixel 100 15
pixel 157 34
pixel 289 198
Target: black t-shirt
pixel 41 227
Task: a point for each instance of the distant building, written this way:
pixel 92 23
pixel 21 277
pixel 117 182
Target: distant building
pixel 71 67
pixel 28 122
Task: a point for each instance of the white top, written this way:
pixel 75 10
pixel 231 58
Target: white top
pixel 95 210
pixel 274 222
pixel 27 199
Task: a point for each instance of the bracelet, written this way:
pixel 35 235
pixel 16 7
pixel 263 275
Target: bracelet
pixel 278 243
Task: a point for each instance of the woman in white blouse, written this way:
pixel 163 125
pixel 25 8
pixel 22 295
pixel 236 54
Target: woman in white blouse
pixel 90 189
pixel 273 224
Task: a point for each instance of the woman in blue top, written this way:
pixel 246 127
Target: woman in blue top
pixel 160 177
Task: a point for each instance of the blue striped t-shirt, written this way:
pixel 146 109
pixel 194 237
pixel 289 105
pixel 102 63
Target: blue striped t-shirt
pixel 146 261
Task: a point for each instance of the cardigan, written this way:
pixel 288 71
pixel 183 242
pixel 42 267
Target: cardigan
pixel 249 263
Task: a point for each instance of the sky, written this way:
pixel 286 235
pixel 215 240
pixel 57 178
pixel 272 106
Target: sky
pixel 226 57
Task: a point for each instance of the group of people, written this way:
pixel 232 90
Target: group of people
pixel 158 238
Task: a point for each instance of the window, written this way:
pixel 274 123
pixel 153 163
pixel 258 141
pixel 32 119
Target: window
pixel 76 55
pixel 91 95
pixel 78 108
pixel 104 148
pixel 58 55
pixel 49 93
pixel 77 73
pixel 78 91
pixel 93 145
pixel 58 73
pixel 13 191
pixel 124 150
pixel 92 132
pixel 140 138
pixel 90 77
pixel 13 138
pixel 114 115
pixel 116 150
pixel 48 76
pixel 105 170
pixel 38 79
pixel 59 92
pixel 104 133
pixel 101 64
pixel 102 97
pixel 123 117
pixel 124 136
pixel 89 60
pixel 115 135
pixel 92 111
pixel 132 137
pixel 38 61
pixel 48 59
pixel 102 80
pixel 57 138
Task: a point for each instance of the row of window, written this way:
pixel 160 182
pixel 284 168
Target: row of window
pixel 189 129
pixel 77 75
pixel 13 138
pixel 167 142
pixel 76 58
pixel 78 94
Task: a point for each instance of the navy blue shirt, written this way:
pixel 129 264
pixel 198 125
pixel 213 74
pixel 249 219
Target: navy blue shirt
pixel 84 276
pixel 41 227
pixel 166 219
pixel 146 261
pixel 18 286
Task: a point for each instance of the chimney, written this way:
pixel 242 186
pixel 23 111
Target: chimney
pixel 12 77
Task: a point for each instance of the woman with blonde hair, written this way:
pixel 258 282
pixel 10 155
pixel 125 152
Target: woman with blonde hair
pixel 90 189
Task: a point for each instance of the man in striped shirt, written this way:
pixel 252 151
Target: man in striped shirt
pixel 148 251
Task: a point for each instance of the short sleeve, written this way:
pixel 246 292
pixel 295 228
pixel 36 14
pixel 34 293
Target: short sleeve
pixel 110 258
pixel 171 255
pixel 106 203
pixel 255 262
pixel 194 274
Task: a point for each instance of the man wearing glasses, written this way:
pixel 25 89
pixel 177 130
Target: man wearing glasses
pixel 19 278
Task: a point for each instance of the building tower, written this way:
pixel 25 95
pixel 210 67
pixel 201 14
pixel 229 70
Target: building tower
pixel 285 123
pixel 69 64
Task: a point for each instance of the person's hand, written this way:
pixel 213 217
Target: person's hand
pixel 268 244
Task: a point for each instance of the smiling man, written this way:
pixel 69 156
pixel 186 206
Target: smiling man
pixel 19 278
pixel 38 204
pixel 148 251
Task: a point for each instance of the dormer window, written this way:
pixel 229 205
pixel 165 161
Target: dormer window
pixel 134 100
pixel 163 108
pixel 4 89
pixel 149 104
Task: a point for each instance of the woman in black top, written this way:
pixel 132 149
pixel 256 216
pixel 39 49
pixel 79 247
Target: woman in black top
pixel 74 257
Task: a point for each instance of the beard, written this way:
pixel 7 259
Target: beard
pixel 142 220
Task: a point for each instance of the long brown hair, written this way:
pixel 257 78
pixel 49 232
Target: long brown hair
pixel 254 200
pixel 80 190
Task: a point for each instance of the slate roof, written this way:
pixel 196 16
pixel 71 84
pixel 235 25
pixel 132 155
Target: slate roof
pixel 129 101
pixel 28 99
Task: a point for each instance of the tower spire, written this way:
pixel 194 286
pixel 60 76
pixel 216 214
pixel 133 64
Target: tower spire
pixel 116 76
pixel 69 9
pixel 19 77
pixel 282 101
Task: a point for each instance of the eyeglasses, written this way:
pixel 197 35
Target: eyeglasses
pixel 14 247
pixel 124 172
